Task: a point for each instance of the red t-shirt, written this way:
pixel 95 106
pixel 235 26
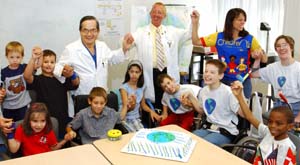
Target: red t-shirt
pixel 35 143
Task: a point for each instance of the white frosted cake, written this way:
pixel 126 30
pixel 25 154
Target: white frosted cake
pixel 162 144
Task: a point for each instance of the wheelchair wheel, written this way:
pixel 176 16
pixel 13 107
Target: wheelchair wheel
pixel 246 153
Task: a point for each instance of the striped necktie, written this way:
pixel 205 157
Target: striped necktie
pixel 160 56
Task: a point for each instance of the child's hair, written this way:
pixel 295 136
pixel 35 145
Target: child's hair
pixel 98 92
pixel 288 39
pixel 14 46
pixel 286 111
pixel 48 52
pixel 36 108
pixel 138 64
pixel 220 65
pixel 161 78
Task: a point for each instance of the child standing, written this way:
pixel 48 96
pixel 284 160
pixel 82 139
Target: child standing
pixel 181 114
pixel 94 121
pixel 219 105
pixel 35 135
pixel 133 88
pixel 49 90
pixel 17 97
pixel 275 135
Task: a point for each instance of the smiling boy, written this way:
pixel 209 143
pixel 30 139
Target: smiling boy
pixel 181 112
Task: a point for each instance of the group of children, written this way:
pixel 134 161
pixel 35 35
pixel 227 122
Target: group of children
pixel 35 134
pixel 218 102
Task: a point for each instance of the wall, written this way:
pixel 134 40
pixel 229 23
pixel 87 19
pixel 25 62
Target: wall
pixel 48 23
pixel 53 24
pixel 292 23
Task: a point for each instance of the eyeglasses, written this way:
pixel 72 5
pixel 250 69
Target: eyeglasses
pixel 282 46
pixel 92 31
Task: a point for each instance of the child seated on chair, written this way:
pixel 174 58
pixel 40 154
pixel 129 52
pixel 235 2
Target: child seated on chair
pixel 219 105
pixel 94 121
pixel 132 91
pixel 35 135
pixel 281 74
pixel 275 134
pixel 181 113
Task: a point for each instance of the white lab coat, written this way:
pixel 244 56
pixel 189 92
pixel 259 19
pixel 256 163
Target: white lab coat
pixel 77 56
pixel 171 38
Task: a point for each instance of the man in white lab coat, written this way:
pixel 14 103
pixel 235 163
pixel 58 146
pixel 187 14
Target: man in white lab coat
pixel 89 58
pixel 144 41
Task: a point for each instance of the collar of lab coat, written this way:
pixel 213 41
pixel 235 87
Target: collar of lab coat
pixel 162 28
pixel 83 49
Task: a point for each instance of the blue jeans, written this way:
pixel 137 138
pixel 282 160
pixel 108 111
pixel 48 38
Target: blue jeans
pixel 212 137
pixel 247 86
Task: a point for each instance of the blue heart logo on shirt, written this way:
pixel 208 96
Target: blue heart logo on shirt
pixel 210 105
pixel 281 81
pixel 175 103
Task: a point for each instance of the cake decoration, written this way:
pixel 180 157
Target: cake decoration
pixel 171 145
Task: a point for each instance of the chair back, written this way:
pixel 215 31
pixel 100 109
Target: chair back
pixel 81 101
pixel 112 101
pixel 55 126
pixel 296 140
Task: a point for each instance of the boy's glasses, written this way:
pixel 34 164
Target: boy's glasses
pixel 282 46
pixel 86 31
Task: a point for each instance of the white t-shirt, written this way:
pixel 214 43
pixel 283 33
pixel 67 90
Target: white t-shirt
pixel 268 144
pixel 283 78
pixel 173 100
pixel 220 107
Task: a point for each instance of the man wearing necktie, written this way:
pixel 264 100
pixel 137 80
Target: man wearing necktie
pixel 157 48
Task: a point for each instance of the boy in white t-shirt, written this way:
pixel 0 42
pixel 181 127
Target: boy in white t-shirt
pixel 275 145
pixel 181 113
pixel 219 105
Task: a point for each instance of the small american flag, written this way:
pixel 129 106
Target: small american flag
pixel 271 159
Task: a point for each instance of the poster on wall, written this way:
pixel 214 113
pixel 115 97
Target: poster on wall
pixel 110 16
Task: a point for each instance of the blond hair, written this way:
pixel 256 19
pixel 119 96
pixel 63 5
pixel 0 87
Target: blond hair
pixel 160 4
pixel 14 46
